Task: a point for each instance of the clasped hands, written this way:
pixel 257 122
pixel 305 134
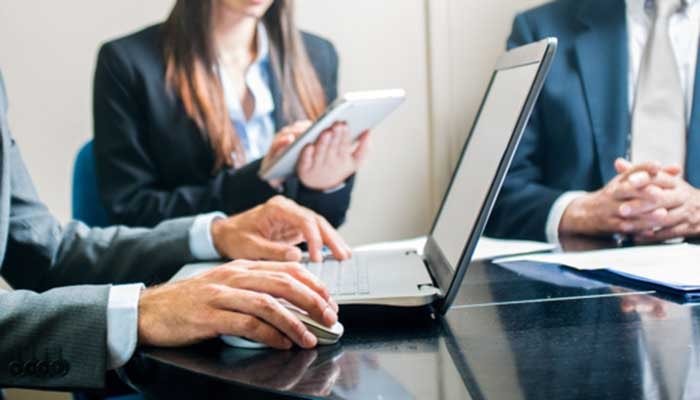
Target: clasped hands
pixel 646 201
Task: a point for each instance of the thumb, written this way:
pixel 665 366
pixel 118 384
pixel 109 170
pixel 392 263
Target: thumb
pixel 281 143
pixel 261 248
pixel 362 149
pixel 622 165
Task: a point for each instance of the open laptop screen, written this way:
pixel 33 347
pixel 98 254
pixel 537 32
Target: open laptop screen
pixel 480 162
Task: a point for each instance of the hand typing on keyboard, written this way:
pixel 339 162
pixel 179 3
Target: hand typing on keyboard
pixel 273 230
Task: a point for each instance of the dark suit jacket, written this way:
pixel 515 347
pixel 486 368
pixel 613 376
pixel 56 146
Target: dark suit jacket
pixel 581 121
pixel 54 334
pixel 154 163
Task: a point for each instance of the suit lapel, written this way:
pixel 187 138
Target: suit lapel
pixel 602 55
pixel 4 177
pixel 692 163
pixel 277 100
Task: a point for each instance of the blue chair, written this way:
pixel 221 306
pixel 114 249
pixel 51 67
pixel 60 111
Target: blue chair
pixel 87 206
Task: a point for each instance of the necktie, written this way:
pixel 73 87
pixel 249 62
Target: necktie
pixel 658 118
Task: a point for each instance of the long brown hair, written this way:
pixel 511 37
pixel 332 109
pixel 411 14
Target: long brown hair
pixel 191 62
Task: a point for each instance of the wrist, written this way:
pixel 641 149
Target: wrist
pixel 144 323
pixel 217 233
pixel 575 216
pixel 323 186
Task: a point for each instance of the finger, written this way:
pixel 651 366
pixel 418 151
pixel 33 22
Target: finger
pixel 636 207
pixel 322 146
pixel 622 165
pixel 668 199
pixel 249 327
pixel 674 170
pixel 264 310
pixel 313 237
pixel 299 128
pixel 651 167
pixel 665 180
pixel 303 125
pixel 303 219
pixel 643 223
pixel 362 149
pixel 624 189
pixel 280 143
pixel 638 179
pixel 289 235
pixel 674 217
pixel 345 149
pixel 331 238
pixel 335 147
pixel 347 139
pixel 306 163
pixel 297 271
pixel 264 249
pixel 673 232
pixel 283 285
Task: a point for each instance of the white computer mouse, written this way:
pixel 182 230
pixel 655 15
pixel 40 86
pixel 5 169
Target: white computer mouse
pixel 325 335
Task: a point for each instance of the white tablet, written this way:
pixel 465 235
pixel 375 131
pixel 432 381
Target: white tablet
pixel 360 110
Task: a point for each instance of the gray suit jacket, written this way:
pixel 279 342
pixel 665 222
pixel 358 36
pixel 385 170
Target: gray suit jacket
pixel 53 335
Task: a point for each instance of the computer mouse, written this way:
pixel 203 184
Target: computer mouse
pixel 325 335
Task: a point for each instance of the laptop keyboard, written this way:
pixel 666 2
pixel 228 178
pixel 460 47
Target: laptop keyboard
pixel 349 277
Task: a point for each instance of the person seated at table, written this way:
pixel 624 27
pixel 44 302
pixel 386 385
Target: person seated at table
pixel 186 112
pixel 66 324
pixel 613 145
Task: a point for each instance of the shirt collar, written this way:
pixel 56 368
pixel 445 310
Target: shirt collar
pixel 257 80
pixel 263 44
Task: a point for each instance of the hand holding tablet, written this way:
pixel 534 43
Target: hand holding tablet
pixel 357 111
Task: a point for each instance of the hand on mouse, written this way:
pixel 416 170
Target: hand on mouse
pixel 238 299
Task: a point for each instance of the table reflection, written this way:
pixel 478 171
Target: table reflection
pixel 412 364
pixel 326 371
pixel 625 346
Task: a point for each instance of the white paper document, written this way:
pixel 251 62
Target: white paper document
pixel 676 265
pixel 486 248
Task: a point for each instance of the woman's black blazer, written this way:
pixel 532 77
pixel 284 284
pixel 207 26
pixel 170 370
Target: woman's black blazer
pixel 154 163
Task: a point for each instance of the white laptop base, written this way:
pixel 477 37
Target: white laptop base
pixel 398 278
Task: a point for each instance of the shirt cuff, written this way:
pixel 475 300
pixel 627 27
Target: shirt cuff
pixel 334 189
pixel 201 241
pixel 557 212
pixel 122 323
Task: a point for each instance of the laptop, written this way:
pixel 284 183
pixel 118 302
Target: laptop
pixel 407 279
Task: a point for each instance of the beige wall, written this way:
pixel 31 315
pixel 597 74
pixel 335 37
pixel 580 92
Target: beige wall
pixel 47 54
pixel 466 38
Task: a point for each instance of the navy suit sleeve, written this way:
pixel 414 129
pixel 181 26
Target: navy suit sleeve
pixel 129 179
pixel 524 203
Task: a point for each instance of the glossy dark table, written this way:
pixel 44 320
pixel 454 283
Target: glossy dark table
pixel 542 332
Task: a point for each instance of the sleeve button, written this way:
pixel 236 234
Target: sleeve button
pixel 15 368
pixel 42 369
pixel 30 368
pixel 65 367
pixel 55 368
